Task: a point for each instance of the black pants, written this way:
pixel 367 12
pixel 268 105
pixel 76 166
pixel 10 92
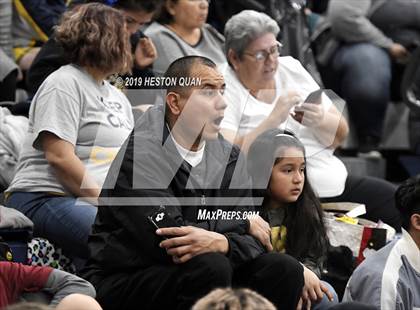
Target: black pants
pixel 376 194
pixel 276 276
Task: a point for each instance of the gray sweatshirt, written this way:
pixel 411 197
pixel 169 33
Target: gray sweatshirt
pixel 350 21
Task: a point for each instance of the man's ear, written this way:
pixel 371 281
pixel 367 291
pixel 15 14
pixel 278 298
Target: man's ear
pixel 415 221
pixel 173 102
pixel 233 58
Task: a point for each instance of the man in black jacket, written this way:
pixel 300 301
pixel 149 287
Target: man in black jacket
pixel 176 158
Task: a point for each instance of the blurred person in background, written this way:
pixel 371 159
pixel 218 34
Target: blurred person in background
pixel 181 30
pixel 373 36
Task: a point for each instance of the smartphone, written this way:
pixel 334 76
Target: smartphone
pixel 162 219
pixel 314 97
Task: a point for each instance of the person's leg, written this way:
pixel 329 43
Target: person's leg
pixel 325 303
pixel 365 78
pixel 65 221
pixel 376 194
pixel 164 286
pixel 278 277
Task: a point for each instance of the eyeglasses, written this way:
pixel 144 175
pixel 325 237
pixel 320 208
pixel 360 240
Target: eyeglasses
pixel 263 55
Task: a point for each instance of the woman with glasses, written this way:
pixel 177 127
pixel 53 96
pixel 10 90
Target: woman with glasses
pixel 181 30
pixel 265 91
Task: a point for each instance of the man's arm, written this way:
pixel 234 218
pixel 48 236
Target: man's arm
pixel 241 240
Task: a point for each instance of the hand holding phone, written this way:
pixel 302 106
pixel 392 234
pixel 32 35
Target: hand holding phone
pixel 162 219
pixel 314 97
pixel 145 52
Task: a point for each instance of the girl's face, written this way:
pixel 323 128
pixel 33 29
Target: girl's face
pixel 288 177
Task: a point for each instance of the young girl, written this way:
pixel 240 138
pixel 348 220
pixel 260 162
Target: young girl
pixel 276 162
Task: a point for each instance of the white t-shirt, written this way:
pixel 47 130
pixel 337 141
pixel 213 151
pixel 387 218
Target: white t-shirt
pixel 191 157
pixel 95 119
pixel 244 113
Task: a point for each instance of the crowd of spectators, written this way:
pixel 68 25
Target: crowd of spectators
pixel 210 198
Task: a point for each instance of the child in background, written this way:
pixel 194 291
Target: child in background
pixel 276 162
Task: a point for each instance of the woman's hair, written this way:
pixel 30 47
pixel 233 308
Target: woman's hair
pixel 95 35
pixel 243 28
pixel 164 17
pixel 233 299
pixel 306 232
pixel 407 200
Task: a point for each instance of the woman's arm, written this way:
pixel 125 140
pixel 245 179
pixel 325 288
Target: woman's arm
pixel 69 169
pixel 329 126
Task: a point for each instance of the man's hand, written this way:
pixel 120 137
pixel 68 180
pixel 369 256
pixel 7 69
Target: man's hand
pixel 398 52
pixel 309 114
pixel 189 241
pixel 145 53
pixel 261 230
pixel 313 290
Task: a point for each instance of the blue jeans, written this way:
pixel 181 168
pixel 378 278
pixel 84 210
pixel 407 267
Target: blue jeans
pixel 362 75
pixel 65 221
pixel 325 303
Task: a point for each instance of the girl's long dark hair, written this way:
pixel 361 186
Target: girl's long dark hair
pixel 306 232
